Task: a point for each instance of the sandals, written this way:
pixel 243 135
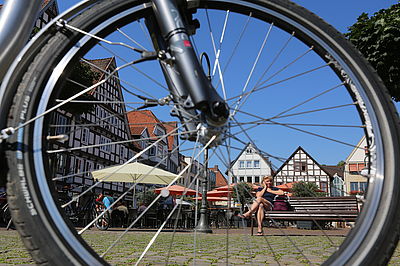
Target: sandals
pixel 260 233
pixel 243 217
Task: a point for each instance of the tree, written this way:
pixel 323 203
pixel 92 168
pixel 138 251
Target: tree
pixel 304 189
pixel 80 78
pixel 242 193
pixel 341 163
pixel 147 197
pixel 378 39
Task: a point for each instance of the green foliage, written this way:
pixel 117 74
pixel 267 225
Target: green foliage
pixel 82 77
pixel 242 191
pixel 304 189
pixel 378 39
pixel 341 163
pixel 147 197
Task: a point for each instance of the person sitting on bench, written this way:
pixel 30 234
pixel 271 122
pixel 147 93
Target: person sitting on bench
pixel 264 202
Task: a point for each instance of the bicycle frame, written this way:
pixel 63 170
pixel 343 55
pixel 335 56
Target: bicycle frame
pixel 16 20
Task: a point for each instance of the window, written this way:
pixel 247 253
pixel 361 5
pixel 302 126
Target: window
pixel 78 165
pixel 323 186
pixel 160 150
pixel 241 178
pixel 363 186
pixel 61 121
pixel 241 164
pixel 337 187
pixel 256 179
pixel 60 162
pixel 300 166
pixel 249 150
pixel 85 135
pixel 248 164
pixel 104 140
pixel 250 179
pixel 122 151
pixel 355 168
pixel 256 164
pixel 358 186
pixel 152 151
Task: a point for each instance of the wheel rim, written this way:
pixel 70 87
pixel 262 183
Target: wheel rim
pixel 367 218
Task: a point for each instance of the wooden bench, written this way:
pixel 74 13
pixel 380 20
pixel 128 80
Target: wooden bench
pixel 328 209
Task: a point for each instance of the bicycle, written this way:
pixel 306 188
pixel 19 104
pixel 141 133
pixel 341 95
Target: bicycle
pixel 5 215
pixel 85 211
pixel 32 89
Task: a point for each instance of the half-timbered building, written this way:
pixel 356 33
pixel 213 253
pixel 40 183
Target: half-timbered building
pixel 300 166
pixel 101 132
pixel 48 11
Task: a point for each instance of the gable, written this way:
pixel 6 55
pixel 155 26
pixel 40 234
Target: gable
pixel 358 153
pixel 300 166
pixel 250 152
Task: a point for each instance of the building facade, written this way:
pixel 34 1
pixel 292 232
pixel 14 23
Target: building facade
pixel 355 183
pixel 48 12
pixel 250 166
pixel 101 129
pixel 220 179
pixel 300 166
pixel 144 125
pixel 337 185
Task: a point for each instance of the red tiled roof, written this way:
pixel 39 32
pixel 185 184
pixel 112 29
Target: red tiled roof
pixel 137 130
pixel 103 64
pixel 170 126
pixel 220 179
pixel 144 118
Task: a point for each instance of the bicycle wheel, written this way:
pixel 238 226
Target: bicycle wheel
pixel 103 222
pixel 290 80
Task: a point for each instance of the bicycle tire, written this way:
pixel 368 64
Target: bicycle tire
pixel 104 222
pixel 28 195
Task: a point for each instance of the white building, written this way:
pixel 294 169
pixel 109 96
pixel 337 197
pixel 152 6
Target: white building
pixel 355 162
pixel 250 166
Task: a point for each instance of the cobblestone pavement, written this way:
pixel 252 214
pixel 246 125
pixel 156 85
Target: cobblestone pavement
pixel 210 248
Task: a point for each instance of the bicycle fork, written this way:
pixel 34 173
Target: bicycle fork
pixel 185 76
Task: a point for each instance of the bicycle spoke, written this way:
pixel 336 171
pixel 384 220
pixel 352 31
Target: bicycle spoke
pixel 235 47
pixel 278 82
pixel 217 53
pixel 131 39
pixel 252 69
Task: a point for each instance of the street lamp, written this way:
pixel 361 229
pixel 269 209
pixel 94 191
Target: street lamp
pixel 203 226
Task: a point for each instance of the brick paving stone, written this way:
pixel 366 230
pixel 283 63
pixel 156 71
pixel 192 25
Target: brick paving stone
pixel 210 247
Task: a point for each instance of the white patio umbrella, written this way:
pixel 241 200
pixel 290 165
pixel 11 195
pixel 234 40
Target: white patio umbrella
pixel 134 173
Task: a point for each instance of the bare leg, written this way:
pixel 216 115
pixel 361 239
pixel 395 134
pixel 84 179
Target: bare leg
pixel 260 218
pixel 255 205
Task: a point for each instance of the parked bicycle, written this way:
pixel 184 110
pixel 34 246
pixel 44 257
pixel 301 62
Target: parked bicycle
pixel 5 214
pixel 82 212
pixel 273 66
